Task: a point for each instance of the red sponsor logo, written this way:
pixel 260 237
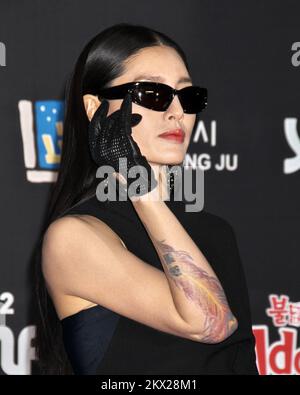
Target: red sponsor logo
pixel 282 356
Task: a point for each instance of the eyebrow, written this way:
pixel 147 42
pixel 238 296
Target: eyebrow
pixel 158 78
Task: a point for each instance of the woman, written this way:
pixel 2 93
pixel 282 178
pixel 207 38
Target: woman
pixel 137 286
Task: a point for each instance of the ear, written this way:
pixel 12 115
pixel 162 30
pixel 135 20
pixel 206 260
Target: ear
pixel 91 103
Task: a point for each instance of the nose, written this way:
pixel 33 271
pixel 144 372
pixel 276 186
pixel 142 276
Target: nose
pixel 175 109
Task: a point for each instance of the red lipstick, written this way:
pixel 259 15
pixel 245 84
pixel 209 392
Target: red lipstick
pixel 175 135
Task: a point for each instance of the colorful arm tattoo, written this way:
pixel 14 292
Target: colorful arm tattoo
pixel 202 289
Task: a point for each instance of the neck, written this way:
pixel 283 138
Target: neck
pixel 160 172
pixel 163 183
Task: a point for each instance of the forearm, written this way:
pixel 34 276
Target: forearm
pixel 197 293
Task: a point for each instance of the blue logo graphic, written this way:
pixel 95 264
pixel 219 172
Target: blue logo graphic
pixel 49 130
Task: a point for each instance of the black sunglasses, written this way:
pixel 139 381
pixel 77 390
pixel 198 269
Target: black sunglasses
pixel 157 96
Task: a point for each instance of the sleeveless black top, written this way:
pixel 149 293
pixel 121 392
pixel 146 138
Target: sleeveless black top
pixel 100 341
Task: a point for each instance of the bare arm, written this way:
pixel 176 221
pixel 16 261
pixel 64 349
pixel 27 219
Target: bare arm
pixel 88 263
pixel 84 260
pixel 197 293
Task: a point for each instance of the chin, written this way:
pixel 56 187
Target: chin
pixel 171 160
pixel 166 156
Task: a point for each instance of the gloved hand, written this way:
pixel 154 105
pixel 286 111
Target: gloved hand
pixel 110 140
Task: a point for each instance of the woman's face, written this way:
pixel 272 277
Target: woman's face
pixel 165 63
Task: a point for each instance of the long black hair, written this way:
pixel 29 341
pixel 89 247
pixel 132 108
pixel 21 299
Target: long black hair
pixel 101 61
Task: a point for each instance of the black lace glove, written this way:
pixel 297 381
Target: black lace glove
pixel 111 143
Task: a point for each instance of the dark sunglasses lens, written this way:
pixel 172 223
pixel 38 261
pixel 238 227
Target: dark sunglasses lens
pixel 152 96
pixel 193 99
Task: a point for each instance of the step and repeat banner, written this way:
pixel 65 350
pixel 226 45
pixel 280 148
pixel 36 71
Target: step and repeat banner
pixel 247 142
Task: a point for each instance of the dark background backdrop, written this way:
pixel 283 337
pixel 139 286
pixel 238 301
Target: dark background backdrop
pixel 240 51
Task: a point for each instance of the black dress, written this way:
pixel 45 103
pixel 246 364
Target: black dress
pixel 100 341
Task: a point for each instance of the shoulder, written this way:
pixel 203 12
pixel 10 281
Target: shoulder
pixel 72 227
pixel 69 236
pixel 63 229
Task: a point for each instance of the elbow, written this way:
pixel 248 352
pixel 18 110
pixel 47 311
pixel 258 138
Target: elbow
pixel 227 330
pixel 218 333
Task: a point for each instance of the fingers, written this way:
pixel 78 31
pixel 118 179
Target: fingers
pixel 95 128
pixel 135 119
pixel 127 119
pixel 126 108
pixel 96 122
pixel 101 111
